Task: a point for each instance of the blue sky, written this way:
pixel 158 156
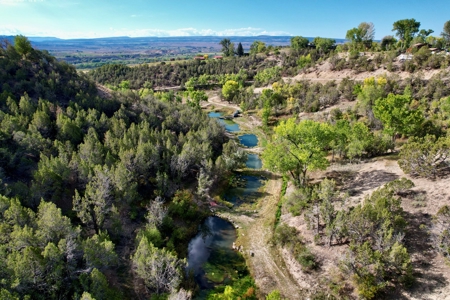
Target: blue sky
pixel 105 18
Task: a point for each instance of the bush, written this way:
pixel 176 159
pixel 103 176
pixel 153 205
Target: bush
pixel 423 156
pixel 298 201
pixel 304 256
pixel 285 234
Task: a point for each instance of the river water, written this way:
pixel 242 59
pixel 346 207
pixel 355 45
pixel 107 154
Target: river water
pixel 211 258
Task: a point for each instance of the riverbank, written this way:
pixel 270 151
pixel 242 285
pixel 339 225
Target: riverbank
pixel 255 221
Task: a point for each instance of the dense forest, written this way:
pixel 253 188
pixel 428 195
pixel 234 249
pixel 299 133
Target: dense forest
pixel 100 194
pixel 79 174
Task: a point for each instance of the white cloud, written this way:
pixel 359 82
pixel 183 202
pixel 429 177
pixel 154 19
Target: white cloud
pixel 249 31
pixel 16 2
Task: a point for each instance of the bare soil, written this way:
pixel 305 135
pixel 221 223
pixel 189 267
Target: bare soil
pixel 322 73
pixel 359 180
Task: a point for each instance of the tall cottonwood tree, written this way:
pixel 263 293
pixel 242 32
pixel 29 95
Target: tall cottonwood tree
pixel 297 148
pixel 405 30
pixel 361 36
pixel 227 47
pixel 446 33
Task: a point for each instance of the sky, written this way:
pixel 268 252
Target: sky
pixel 137 18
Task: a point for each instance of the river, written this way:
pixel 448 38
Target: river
pixel 211 258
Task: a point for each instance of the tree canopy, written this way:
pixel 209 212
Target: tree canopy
pixel 446 32
pixel 257 47
pixel 361 36
pixel 299 42
pixel 297 148
pixel 240 50
pixel 22 45
pixel 406 29
pixel 324 44
pixel 227 47
pixel 396 114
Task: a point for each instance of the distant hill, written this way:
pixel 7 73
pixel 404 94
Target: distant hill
pixel 52 43
pixel 92 53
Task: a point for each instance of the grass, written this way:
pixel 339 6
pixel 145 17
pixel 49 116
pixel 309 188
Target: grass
pixel 420 200
pixel 280 202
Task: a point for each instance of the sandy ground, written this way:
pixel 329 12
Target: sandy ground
pixel 431 271
pixel 323 73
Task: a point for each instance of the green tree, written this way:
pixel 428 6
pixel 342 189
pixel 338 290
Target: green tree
pixel 446 33
pixel 240 50
pixel 227 47
pixel 97 203
pixel 423 34
pixel 376 254
pixel 99 251
pixel 361 36
pixel 230 90
pixel 340 137
pixel 233 157
pixel 22 45
pixel 99 287
pixel 52 226
pixel 257 47
pixel 359 138
pixel 388 42
pixel 274 295
pixel 87 296
pixel 405 30
pixel 441 231
pixel 299 42
pixel 424 156
pixel 160 269
pixel 397 115
pixel 304 61
pixel 324 44
pixel 267 75
pixel 297 148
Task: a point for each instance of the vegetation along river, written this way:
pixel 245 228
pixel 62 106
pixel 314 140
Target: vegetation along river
pixel 211 258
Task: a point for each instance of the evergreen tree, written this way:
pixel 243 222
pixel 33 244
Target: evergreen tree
pixel 240 50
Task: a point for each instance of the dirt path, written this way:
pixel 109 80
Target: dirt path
pixel 215 99
pixel 255 231
pixel 255 223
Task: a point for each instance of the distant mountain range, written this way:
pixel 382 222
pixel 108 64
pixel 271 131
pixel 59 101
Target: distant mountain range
pixel 57 42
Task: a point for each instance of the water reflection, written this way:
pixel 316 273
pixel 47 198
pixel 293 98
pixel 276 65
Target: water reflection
pixel 253 161
pixel 248 140
pixel 207 250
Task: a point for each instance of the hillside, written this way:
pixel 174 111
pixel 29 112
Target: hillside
pixel 111 181
pixel 89 185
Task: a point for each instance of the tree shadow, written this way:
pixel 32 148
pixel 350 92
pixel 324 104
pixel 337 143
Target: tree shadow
pixel 419 245
pixel 341 177
pixel 369 180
